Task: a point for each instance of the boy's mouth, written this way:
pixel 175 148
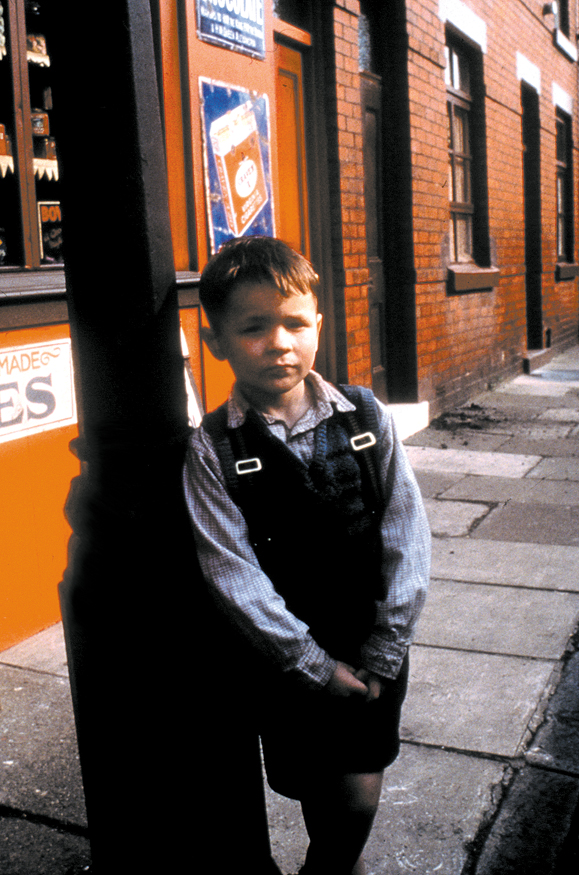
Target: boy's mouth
pixel 281 370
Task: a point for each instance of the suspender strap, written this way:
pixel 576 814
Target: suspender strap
pixel 364 442
pixel 238 466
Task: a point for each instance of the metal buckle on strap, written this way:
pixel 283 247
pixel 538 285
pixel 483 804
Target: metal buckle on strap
pixel 362 441
pixel 248 466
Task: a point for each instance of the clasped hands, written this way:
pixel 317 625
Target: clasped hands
pixel 348 681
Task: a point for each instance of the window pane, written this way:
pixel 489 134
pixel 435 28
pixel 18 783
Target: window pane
pixel 463 234
pixel 460 130
pixel 461 181
pixel 457 73
pixel 560 195
pixel 561 144
pixel 561 254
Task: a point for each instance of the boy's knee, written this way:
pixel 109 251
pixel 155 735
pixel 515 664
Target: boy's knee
pixel 363 793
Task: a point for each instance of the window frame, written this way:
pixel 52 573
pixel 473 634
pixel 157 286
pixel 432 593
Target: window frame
pixel 465 95
pixel 563 20
pixel 459 106
pixel 564 219
pixel 29 255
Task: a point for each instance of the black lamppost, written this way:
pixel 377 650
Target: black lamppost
pixel 161 791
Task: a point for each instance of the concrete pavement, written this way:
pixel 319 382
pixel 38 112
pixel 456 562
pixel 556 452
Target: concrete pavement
pixel 487 781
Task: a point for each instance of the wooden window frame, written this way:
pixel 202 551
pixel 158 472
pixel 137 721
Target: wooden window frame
pixel 23 152
pixel 469 269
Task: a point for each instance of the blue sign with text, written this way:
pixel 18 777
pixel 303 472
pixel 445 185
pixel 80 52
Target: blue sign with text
pixel 233 24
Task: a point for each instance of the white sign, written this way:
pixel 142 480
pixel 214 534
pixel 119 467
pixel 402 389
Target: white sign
pixel 36 389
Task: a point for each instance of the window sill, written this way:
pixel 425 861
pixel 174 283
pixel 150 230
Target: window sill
pixel 47 281
pixel 566 46
pixel 470 278
pixel 566 271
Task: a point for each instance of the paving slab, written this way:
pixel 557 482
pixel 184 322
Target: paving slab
pixel 520 407
pixel 558 375
pixel 472 701
pixel 556 469
pixel 37 849
pixel 558 414
pixel 39 765
pixel 501 489
pixel 569 359
pixel 431 807
pixel 433 483
pixel 498 619
pixel 44 651
pixel 536 523
pixel 453 518
pixel 471 462
pixel 458 439
pixel 544 431
pixel 529 385
pixel 531 565
pixel 540 447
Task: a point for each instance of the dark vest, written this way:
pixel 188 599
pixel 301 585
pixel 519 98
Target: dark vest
pixel 315 528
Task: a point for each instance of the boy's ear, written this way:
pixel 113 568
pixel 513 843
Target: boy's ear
pixel 212 341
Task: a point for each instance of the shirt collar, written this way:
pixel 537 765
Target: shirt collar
pixel 327 398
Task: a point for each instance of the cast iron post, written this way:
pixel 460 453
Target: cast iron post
pixel 171 784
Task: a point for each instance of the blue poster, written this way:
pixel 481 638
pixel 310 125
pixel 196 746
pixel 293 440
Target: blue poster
pixel 236 152
pixel 233 24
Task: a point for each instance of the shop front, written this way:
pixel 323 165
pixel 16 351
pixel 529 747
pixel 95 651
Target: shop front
pixel 237 80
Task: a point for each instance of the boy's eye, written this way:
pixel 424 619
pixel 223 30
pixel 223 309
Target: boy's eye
pixel 252 328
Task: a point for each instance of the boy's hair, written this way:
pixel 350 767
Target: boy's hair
pixel 253 260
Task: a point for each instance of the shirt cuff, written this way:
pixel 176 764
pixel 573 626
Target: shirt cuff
pixel 315 666
pixel 383 658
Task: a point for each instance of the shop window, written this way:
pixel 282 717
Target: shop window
pixel 30 227
pixel 564 183
pixel 467 179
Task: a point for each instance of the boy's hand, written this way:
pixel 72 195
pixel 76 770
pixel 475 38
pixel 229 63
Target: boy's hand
pixel 346 682
pixel 372 681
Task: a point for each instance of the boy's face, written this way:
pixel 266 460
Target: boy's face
pixel 269 340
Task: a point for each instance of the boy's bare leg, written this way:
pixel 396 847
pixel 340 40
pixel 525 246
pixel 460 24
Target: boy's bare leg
pixel 339 815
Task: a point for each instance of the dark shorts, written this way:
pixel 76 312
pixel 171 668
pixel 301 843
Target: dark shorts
pixel 308 734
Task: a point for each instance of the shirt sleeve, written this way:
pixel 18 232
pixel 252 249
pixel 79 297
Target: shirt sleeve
pixel 232 571
pixel 406 549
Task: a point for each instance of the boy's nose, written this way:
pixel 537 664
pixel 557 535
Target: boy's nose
pixel 280 339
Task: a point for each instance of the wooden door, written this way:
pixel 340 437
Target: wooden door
pixel 293 191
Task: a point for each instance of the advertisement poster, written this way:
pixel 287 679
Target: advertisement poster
pixel 36 389
pixel 50 222
pixel 236 153
pixel 233 24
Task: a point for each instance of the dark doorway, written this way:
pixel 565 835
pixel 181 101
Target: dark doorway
pixel 371 99
pixel 532 195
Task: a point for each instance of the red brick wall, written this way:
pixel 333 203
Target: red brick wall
pixel 470 340
pixel 353 268
pixel 467 341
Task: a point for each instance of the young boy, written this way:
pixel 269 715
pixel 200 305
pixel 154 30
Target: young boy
pixel 313 541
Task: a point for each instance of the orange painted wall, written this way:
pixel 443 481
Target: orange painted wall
pixel 35 473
